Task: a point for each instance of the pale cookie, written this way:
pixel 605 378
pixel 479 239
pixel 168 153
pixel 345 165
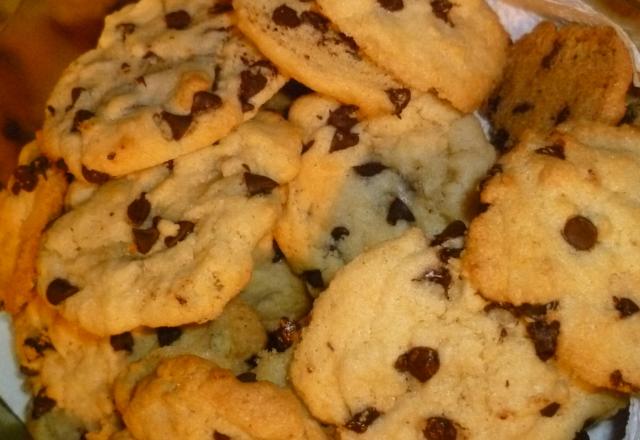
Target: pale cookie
pixel 400 347
pixel 554 75
pixel 365 182
pixel 455 48
pixel 304 44
pixel 32 199
pixel 188 397
pixel 563 225
pixel 154 248
pixel 167 78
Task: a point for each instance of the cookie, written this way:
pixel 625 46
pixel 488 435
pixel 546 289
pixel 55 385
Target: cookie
pixel 363 182
pixel 189 397
pixel 576 72
pixel 562 226
pixel 304 44
pixel 180 78
pixel 457 49
pixel 154 248
pixel 401 347
pixel 32 198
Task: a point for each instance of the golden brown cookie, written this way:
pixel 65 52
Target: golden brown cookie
pixel 554 75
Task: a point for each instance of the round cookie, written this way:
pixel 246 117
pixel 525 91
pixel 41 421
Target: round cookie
pixel 154 248
pixel 562 225
pixel 167 78
pixel 361 183
pixel 190 397
pixel 304 44
pixel 455 48
pixel 576 72
pixel 400 347
pixel 33 198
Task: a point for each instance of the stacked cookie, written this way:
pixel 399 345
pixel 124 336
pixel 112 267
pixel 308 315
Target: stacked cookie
pixel 195 250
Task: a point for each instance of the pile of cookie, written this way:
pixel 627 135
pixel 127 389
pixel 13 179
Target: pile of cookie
pixel 281 219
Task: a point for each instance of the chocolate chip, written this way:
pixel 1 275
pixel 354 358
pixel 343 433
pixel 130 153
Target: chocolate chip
pixel 528 310
pixel 122 342
pixel 79 118
pixel 455 229
pixel 522 107
pixel 169 164
pixel 178 20
pixel 94 176
pixel 39 344
pixel 350 43
pixel 343 117
pixel 139 210
pixel 313 278
pixel 399 98
pixel 25 179
pixel 562 115
pixel 547 60
pixel 392 5
pixel 287 333
pixel 555 150
pixel 250 85
pixel 421 362
pixel 278 256
pixel 545 337
pixel 580 233
pixel 42 404
pixel 168 335
pixel 445 254
pixel 343 139
pixel 220 436
pixel 339 232
pixel 625 306
pixel 144 239
pixel 285 16
pixel 441 9
pixel 62 165
pixel 247 377
pixel 184 229
pixel 60 289
pixel 125 29
pixel 550 410
pixel 440 276
pixel 179 124
pixel 259 185
pixel 317 21
pixel 440 428
pixel 360 422
pixel 398 210
pixel 369 169
pixel 222 7
pixel 500 139
pixel 204 101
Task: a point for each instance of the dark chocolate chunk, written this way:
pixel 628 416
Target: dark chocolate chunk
pixel 555 150
pixel 259 185
pixel 445 254
pixel 62 165
pixel 369 169
pixel 500 139
pixel 580 233
pixel 204 101
pixel 93 176
pixel 168 335
pixel 625 306
pixel 139 210
pixel 339 232
pixel 398 210
pixel 562 115
pixel 169 164
pixel 220 436
pixel 39 344
pixel 79 118
pixel 440 275
pixel 550 410
pixel 24 179
pixel 26 371
pixel 343 117
pixel 60 289
pixel 313 278
pixel 522 107
pixel 545 337
pixel 252 361
pixel 391 5
pixel 247 377
pixel 293 89
pixel 399 97
pixel 455 229
pixel 222 7
pixel 441 9
pixel 122 342
pixel 421 362
pixel 75 95
pixel 285 16
pixel 178 20
pixel 250 85
pixel 287 333
pixel 126 29
pixel 42 404
pixel 547 60
pixel 360 422
pixel 440 428
pixel 179 124
pixel 350 43
pixel 144 239
pixel 343 139
pixel 185 228
pixel 318 21
pixel 278 256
